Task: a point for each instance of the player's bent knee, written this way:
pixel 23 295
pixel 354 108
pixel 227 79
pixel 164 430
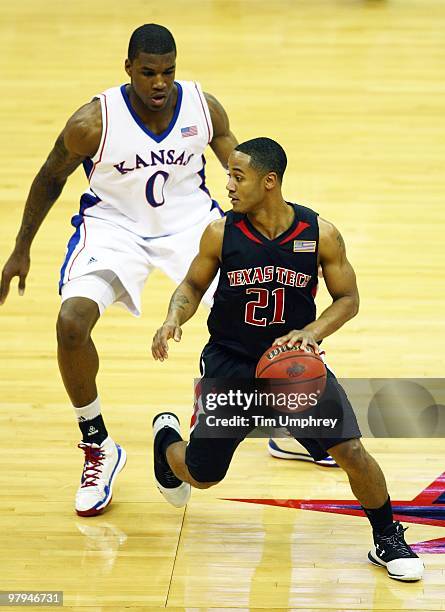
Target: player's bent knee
pixel 71 332
pixel 203 485
pixel 75 322
pixel 203 478
pixel 349 454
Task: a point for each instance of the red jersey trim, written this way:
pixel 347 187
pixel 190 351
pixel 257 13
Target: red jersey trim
pixel 246 231
pixel 302 225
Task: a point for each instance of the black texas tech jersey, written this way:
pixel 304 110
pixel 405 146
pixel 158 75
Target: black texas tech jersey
pixel 266 287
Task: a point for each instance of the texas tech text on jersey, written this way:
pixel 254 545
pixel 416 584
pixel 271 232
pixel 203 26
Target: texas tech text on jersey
pixel 266 287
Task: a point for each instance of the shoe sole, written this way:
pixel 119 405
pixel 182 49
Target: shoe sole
pixel 380 563
pixel 186 491
pixel 278 453
pixel 101 506
pixel 185 487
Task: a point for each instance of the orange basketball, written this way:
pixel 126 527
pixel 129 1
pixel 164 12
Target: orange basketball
pixel 297 371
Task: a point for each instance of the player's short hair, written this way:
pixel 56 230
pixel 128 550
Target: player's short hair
pixel 266 155
pixel 151 38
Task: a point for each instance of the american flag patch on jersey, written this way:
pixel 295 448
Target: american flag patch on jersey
pixel 305 246
pixel 192 130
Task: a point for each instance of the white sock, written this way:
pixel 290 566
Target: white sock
pixel 88 412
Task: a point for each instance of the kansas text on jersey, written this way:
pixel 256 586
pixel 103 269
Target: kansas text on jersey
pixel 151 184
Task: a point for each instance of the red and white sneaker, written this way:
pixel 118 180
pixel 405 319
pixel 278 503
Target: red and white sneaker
pixel 102 464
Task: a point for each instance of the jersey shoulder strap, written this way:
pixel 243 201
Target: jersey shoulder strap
pixel 233 217
pixel 304 213
pixel 230 239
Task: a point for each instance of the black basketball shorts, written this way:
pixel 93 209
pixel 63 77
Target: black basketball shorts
pixel 208 459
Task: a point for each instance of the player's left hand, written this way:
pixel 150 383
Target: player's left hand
pixel 305 339
pixel 159 347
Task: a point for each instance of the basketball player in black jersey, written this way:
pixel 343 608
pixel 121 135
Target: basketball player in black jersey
pixel 268 252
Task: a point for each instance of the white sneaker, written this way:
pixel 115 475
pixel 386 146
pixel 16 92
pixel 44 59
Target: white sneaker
pixel 391 551
pixel 281 450
pixel 102 464
pixel 175 491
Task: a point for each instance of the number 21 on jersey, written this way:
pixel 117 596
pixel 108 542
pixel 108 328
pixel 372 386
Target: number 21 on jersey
pixel 252 316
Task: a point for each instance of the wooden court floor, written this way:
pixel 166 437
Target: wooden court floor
pixel 353 89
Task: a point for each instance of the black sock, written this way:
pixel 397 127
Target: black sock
pixel 380 518
pixel 167 436
pixel 94 430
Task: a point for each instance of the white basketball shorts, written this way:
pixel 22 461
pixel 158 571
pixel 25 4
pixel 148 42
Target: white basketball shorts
pixel 109 264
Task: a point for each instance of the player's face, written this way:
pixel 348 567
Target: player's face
pixel 152 78
pixel 245 186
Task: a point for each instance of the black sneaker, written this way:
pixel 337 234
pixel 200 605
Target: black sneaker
pixel 391 551
pixel 175 491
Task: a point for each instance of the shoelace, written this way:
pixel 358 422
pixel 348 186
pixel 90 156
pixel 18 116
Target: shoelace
pixel 397 541
pixel 170 477
pixel 167 472
pixel 92 467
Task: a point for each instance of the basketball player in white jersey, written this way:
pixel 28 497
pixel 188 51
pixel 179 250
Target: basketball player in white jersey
pixel 142 146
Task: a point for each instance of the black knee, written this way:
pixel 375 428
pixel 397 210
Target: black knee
pixel 204 476
pixel 74 324
pixel 208 459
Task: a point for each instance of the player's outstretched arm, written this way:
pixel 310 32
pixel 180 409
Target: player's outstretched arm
pixel 185 300
pixel 223 141
pixel 79 139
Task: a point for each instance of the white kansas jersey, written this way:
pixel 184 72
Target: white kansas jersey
pixel 153 185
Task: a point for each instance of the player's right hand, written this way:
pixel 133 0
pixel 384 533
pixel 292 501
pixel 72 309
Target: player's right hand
pixel 17 265
pixel 159 347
